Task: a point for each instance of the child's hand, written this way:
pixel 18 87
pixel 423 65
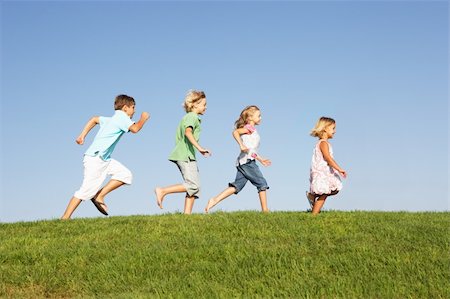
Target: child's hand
pixel 80 140
pixel 205 152
pixel 343 173
pixel 244 149
pixel 145 116
pixel 265 162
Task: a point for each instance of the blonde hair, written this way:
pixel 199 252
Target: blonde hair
pixel 192 98
pixel 245 114
pixel 321 125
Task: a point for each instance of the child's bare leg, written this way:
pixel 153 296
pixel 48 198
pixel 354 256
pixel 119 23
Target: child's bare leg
pixel 73 204
pixel 188 204
pixel 215 200
pixel 319 204
pixel 263 200
pixel 161 192
pixel 110 186
pixel 311 199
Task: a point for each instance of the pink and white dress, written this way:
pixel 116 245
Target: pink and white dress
pixel 323 178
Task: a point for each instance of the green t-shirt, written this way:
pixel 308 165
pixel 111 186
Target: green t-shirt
pixel 184 150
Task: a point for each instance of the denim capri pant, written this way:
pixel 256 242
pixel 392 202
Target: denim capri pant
pixel 249 172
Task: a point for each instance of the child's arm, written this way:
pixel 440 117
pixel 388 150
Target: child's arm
pixel 263 161
pixel 190 137
pixel 87 128
pixel 237 136
pixel 326 155
pixel 134 128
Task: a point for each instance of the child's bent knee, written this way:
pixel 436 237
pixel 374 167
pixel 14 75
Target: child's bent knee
pixel 263 189
pixel 192 190
pixel 195 190
pixel 124 176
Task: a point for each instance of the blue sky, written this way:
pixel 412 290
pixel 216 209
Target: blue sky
pixel 379 68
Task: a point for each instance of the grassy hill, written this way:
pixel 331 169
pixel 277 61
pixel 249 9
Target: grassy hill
pixel 241 254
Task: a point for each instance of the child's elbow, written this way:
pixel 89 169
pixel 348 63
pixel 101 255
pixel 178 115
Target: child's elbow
pixel 95 120
pixel 134 129
pixel 329 161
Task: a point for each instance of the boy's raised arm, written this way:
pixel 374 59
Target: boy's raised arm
pixel 87 128
pixel 134 128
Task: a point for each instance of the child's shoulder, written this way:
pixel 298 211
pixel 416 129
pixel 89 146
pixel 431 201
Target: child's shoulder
pixel 322 142
pixel 190 118
pixel 190 115
pixel 250 128
pixel 102 119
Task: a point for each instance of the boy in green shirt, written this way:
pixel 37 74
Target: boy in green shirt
pixel 187 137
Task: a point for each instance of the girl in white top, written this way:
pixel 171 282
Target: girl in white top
pixel 324 175
pixel 248 139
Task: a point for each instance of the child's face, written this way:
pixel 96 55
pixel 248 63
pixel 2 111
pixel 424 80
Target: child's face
pixel 330 131
pixel 255 118
pixel 129 110
pixel 200 107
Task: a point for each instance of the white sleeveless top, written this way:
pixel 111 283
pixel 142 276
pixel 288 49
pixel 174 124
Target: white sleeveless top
pixel 250 141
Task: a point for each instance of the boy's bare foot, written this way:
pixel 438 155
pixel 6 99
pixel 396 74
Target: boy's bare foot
pixel 159 197
pixel 209 205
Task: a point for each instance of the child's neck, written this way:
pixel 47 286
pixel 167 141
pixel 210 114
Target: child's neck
pixel 125 111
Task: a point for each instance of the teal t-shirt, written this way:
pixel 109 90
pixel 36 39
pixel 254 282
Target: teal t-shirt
pixel 184 150
pixel 111 129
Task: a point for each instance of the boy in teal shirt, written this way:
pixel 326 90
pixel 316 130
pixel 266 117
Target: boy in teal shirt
pixel 97 159
pixel 186 139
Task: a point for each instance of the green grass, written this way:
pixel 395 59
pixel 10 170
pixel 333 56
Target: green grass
pixel 242 254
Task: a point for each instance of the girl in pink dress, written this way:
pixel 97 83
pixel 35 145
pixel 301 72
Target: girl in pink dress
pixel 324 177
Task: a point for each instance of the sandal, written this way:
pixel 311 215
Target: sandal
pixel 99 207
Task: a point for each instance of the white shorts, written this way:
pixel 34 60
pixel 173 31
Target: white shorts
pixel 95 172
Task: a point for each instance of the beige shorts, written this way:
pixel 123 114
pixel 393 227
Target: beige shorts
pixel 95 172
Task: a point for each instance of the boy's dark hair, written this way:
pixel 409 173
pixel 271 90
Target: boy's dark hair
pixel 123 100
